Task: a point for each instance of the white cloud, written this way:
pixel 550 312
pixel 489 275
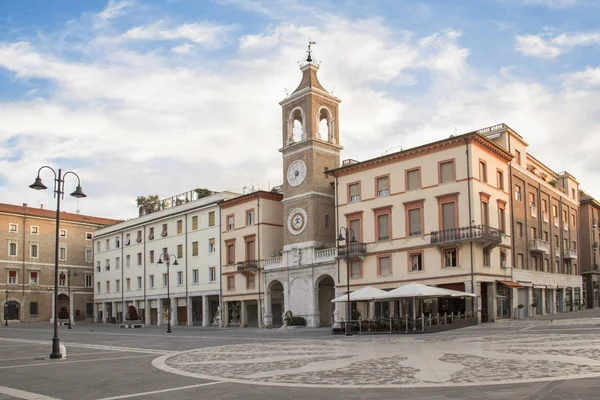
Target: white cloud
pixel 114 9
pixel 206 33
pixel 588 77
pixel 539 46
pixel 552 3
pixel 182 48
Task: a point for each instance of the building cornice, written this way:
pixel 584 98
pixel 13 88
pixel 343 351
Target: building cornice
pixel 262 194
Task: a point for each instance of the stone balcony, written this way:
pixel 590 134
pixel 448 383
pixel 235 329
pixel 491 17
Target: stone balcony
pixel 247 266
pixel 303 257
pixel 570 254
pixel 475 233
pixel 355 249
pixel 539 246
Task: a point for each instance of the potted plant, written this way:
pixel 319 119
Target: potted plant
pixel 132 319
pixel 521 306
pixel 533 308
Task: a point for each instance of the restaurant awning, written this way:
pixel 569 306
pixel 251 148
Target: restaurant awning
pixel 511 284
pixel 368 293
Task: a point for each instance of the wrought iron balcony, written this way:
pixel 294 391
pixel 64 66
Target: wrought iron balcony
pixel 354 249
pixel 247 266
pixel 570 254
pixel 539 245
pixel 477 233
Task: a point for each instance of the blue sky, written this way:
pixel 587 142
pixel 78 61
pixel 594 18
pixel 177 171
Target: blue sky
pixel 160 97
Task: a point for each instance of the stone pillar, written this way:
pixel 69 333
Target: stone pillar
pixel 114 311
pixel 572 299
pixel 371 313
pixel 469 300
pixel 174 316
pixel 104 313
pixel 225 314
pixel 268 316
pixel 147 309
pixel 205 311
pixel 243 314
pixel 543 302
pixel 96 305
pixel 188 310
pixel 514 303
pixel 71 310
pixel 553 305
pixel 159 312
pixel 529 301
pixel 492 301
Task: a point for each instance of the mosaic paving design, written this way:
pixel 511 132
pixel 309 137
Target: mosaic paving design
pixel 396 361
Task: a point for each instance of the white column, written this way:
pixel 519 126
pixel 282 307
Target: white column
pixel 543 302
pixel 114 310
pixel 104 313
pixel 529 301
pixel 371 313
pixel 225 314
pixel 96 305
pixel 159 312
pixel 243 314
pixel 470 302
pixel 553 306
pixel 268 316
pixel 188 311
pixel 174 318
pixel 71 310
pixel 572 299
pixel 147 308
pixel 205 311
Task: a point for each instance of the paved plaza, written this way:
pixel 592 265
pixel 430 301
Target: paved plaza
pixel 527 359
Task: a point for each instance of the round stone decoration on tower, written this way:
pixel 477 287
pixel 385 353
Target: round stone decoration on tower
pixel 297 221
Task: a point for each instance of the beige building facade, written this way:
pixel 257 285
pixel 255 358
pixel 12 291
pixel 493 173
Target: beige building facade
pixel 251 231
pixel 27 259
pixel 589 253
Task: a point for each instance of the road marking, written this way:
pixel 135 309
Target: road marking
pixel 62 362
pixel 21 394
pixel 95 346
pixel 71 354
pixel 127 396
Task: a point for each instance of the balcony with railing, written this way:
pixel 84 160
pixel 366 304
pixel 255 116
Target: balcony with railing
pixel 355 249
pixel 476 233
pixel 539 245
pixel 246 266
pixel 570 254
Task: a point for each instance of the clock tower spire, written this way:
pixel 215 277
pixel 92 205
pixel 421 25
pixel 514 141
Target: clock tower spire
pixel 310 141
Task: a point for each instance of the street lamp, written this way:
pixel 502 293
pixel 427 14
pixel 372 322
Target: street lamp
pixel 69 289
pixel 348 237
pixel 59 191
pixel 167 259
pixel 6 309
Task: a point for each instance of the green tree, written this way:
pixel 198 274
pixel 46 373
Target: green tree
pixel 203 192
pixel 148 204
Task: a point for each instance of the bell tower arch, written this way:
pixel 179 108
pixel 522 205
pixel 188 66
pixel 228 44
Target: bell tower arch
pixel 310 144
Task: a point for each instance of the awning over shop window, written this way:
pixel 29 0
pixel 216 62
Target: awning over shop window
pixel 511 284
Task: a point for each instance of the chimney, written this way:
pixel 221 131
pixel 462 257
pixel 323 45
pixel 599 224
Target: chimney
pixel 42 206
pixel 24 204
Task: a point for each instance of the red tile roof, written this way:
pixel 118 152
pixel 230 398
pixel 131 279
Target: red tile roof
pixel 65 216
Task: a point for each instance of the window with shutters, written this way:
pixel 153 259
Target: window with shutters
pixel 447 173
pixel 353 192
pixel 151 281
pixel 413 179
pixel 139 282
pixel 212 247
pixel 517 192
pixel 88 280
pixel 165 280
pixel 139 258
pixel 118 262
pixel 151 257
pixel 355 229
pixel 250 281
pixel 179 278
pixel 128 284
pixel 212 274
pixel 500 179
pixel 230 282
pixel 117 242
pixel 12 248
pixel 518 156
pixel 211 218
pixel 415 261
pixel 107 246
pixel 165 230
pixel 194 249
pixel 482 171
pixel 34 230
pixel 384 267
pixel 449 215
pixel 487 257
pixel 139 237
pixel 230 255
pixel 62 279
pixel 34 252
pixel 383 186
pixel 118 285
pixel 127 240
pixel 250 249
pixel 98 287
pixel 414 218
pixel 194 222
pixel 355 269
pixel 88 255
pixel 230 222
pixel 179 251
pixel 195 276
pixel 12 277
pixel 128 260
pixel 151 233
pixel 249 217
pixel 383 225
pixel 13 228
pixel 165 252
pixel 501 217
pixel 33 308
pixel 63 253
pixel 520 261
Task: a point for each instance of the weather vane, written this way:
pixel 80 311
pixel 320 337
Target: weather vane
pixel 309 55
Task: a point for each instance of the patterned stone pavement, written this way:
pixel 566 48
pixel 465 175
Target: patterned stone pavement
pixel 517 356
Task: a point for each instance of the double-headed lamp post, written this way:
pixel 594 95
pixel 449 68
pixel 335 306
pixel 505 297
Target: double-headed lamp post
pixel 69 286
pixel 6 309
pixel 59 191
pixel 348 237
pixel 166 258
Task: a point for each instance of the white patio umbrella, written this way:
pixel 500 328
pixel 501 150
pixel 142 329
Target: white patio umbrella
pixel 368 293
pixel 458 293
pixel 412 290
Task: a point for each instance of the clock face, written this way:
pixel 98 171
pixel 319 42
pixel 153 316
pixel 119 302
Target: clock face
pixel 296 173
pixel 297 221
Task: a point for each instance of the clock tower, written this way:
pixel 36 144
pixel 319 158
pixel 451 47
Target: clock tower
pixel 310 146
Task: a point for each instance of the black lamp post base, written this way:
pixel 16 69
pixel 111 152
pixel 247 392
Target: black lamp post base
pixel 5 322
pixel 169 329
pixel 349 334
pixel 69 325
pixel 56 354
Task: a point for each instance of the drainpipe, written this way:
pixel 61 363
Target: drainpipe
pixel 220 273
pixel 122 279
pixel 337 222
pixel 144 283
pixel 23 266
pixel 512 219
pixel 186 273
pixel 473 305
pixel 258 306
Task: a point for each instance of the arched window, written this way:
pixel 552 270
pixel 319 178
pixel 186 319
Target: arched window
pixel 296 126
pixel 324 123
